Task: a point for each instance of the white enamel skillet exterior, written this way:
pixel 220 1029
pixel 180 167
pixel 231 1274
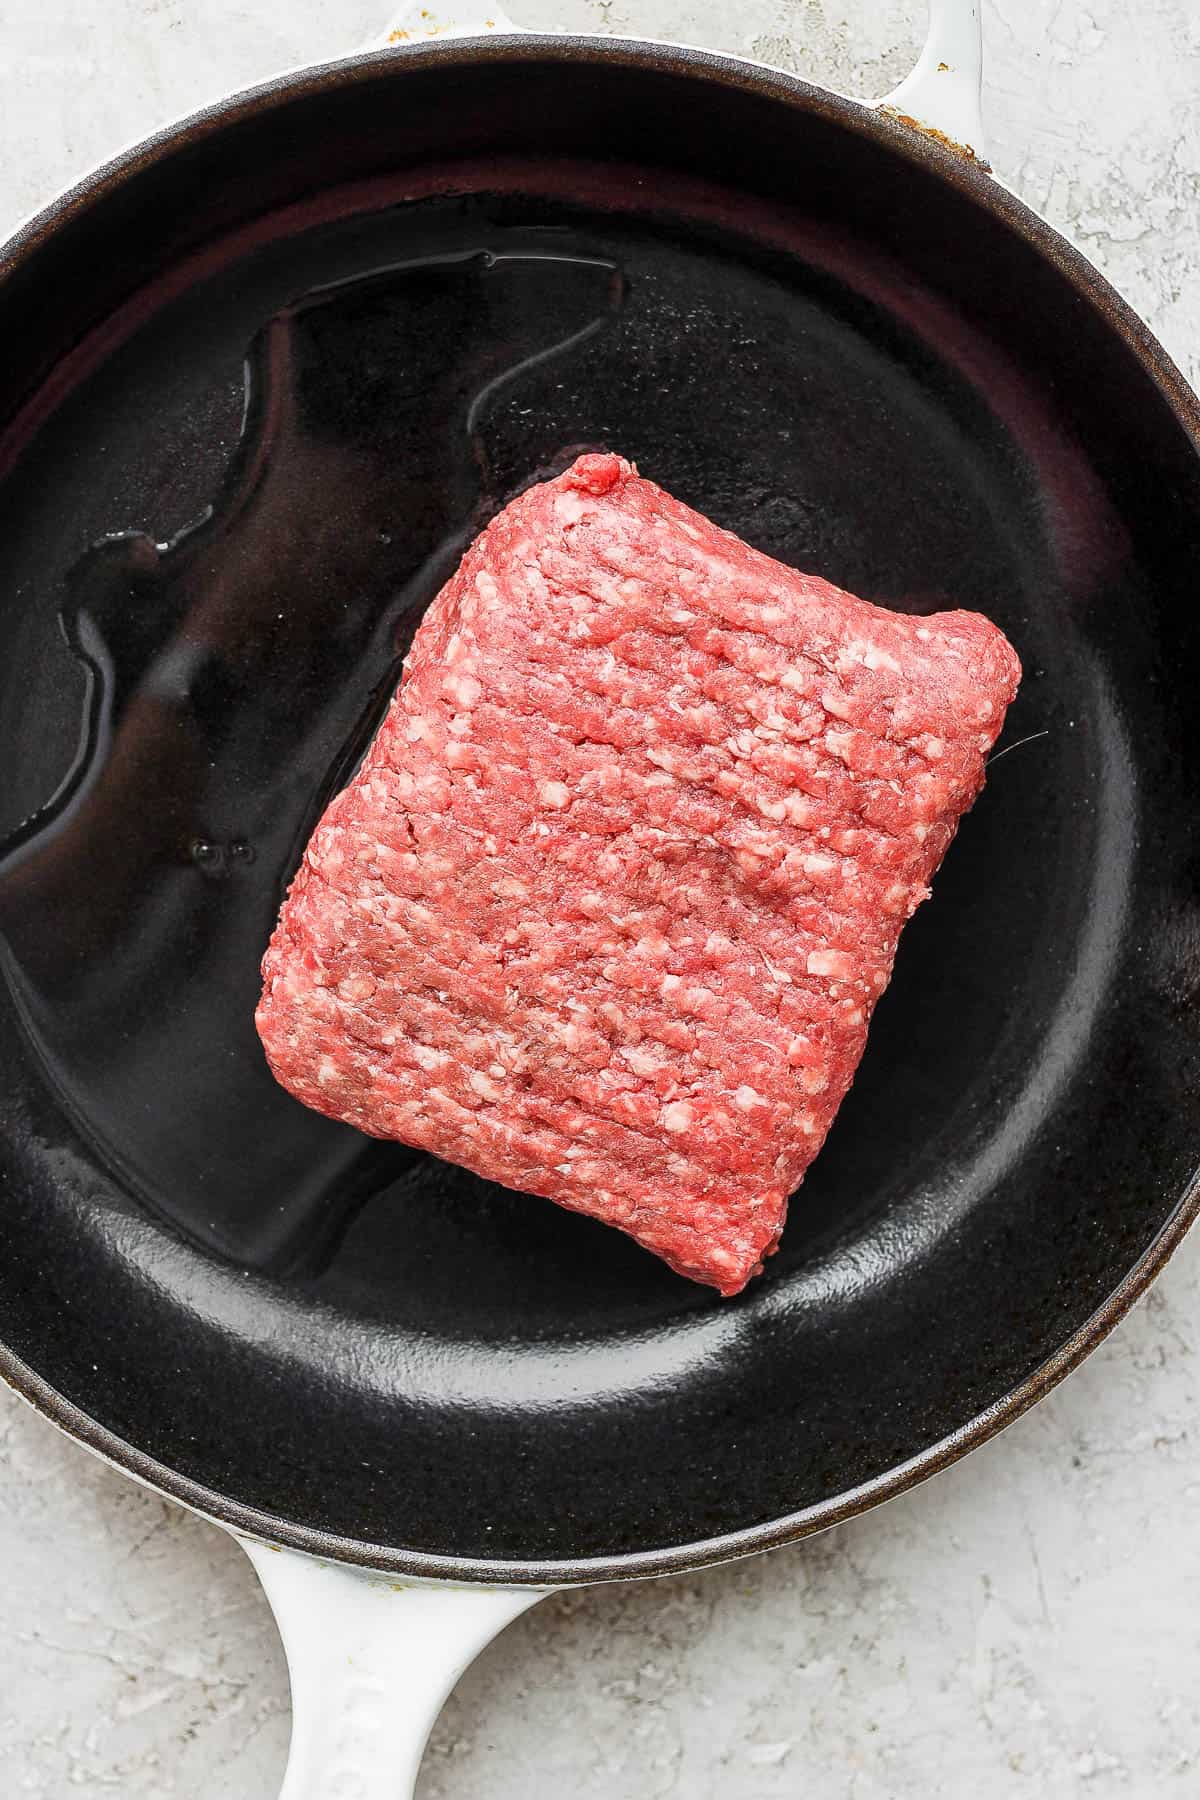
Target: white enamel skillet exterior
pixel 372 1660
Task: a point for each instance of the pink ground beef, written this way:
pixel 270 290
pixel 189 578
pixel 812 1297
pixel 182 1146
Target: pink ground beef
pixel 605 912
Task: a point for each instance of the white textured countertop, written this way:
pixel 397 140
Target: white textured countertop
pixel 1026 1624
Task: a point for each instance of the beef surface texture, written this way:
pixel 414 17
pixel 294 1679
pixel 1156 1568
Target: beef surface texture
pixel 606 909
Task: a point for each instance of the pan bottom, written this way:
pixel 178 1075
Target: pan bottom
pixel 212 557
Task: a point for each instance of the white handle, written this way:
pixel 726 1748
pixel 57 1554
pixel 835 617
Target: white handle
pixel 371 1662
pixel 942 95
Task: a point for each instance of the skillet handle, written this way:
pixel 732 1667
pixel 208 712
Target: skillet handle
pixel 942 96
pixel 371 1663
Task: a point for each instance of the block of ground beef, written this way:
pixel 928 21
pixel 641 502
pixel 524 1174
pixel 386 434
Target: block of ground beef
pixel 606 909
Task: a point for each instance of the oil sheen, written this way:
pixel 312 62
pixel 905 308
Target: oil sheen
pixel 213 557
pixel 232 676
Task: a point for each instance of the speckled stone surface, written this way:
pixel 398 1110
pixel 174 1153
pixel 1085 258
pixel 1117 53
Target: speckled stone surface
pixel 1026 1624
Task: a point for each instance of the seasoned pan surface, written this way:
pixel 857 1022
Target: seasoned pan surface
pixel 276 371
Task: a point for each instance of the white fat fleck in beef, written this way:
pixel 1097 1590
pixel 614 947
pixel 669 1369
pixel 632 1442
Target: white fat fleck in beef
pixel 604 913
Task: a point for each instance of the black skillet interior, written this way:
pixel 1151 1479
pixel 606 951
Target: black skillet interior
pixel 329 339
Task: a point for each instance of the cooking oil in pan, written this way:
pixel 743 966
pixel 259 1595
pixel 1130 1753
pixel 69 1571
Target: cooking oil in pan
pixel 235 673
pixel 233 677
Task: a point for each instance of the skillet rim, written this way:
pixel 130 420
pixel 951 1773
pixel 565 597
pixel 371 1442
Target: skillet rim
pixel 981 188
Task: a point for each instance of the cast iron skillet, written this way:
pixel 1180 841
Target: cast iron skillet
pixel 446 272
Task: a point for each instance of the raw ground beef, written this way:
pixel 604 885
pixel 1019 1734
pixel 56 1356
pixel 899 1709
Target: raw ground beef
pixel 604 914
